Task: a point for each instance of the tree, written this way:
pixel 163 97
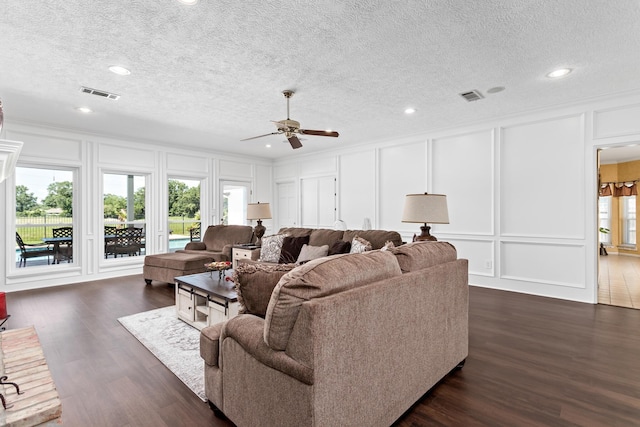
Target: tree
pixel 60 195
pixel 138 204
pixel 176 190
pixel 113 205
pixel 25 201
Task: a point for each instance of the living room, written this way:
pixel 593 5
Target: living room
pixel 504 161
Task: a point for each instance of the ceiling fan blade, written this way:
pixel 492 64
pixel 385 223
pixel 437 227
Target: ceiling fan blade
pixel 294 141
pixel 319 132
pixel 260 136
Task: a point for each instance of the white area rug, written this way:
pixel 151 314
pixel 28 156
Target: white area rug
pixel 173 342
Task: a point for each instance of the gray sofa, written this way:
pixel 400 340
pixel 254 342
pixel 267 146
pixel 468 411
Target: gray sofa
pixel 349 340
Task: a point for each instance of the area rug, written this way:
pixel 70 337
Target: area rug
pixel 173 342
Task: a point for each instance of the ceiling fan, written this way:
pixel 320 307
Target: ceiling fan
pixel 290 128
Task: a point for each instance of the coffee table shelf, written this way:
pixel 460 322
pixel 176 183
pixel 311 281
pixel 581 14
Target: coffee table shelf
pixel 205 299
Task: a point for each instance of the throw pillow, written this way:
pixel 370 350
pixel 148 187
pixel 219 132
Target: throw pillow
pixel 359 245
pixel 388 245
pixel 340 247
pixel 307 253
pixel 271 248
pixel 291 247
pixel 254 284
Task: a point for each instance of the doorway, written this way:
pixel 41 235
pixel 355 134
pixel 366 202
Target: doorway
pixel 619 254
pixel 234 199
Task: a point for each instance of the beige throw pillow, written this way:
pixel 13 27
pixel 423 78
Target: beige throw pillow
pixel 307 253
pixel 359 245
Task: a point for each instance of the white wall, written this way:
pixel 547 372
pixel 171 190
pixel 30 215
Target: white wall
pixel 93 155
pixel 521 191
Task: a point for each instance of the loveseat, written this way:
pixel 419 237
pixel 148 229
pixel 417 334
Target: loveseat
pixel 349 340
pixel 218 241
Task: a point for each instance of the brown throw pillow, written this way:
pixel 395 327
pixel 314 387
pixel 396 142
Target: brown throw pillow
pixel 291 247
pixel 255 283
pixel 340 247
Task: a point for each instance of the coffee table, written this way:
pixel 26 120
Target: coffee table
pixel 205 299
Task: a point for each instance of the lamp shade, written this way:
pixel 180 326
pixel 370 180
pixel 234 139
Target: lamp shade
pixel 426 208
pixel 258 211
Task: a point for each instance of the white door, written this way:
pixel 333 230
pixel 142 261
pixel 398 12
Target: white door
pixel 234 199
pixel 287 204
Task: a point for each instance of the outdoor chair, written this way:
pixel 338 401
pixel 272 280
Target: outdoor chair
pixel 194 233
pixel 32 251
pixel 109 239
pixel 127 241
pixel 64 248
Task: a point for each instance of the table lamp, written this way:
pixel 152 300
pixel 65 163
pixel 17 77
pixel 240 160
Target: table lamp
pixel 425 208
pixel 259 211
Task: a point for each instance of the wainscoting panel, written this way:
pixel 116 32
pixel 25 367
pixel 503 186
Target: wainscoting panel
pixel 47 146
pixel 480 254
pixel 549 263
pixel 402 171
pixel 122 156
pixel 285 171
pixel 230 169
pixel 541 178
pixel 187 164
pixel 318 166
pixel 462 168
pixel 616 121
pixel 357 189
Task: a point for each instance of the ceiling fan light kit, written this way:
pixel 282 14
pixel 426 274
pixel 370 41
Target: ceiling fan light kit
pixel 291 128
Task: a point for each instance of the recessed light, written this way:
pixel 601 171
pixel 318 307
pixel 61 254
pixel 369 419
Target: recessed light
pixel 119 70
pixel 188 2
pixel 85 110
pixel 560 72
pixel 410 110
pixel 495 89
pixel 268 145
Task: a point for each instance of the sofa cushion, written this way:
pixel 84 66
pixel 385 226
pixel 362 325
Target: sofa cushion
pixel 325 236
pixel 296 231
pixel 271 247
pixel 418 255
pixel 216 237
pixel 319 278
pixel 377 237
pixel 339 247
pixel 254 284
pixel 359 245
pixel 291 247
pixel 309 252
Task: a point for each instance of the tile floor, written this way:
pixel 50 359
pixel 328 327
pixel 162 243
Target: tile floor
pixel 619 281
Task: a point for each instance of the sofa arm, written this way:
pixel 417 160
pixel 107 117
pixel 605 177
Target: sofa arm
pixel 210 343
pixel 226 252
pixel 195 246
pixel 248 330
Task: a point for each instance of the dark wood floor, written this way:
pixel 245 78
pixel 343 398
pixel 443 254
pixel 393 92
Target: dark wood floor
pixel 533 362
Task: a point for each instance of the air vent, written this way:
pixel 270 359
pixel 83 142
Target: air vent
pixel 97 92
pixel 472 95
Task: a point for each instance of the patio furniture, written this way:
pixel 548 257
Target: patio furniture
pixel 127 241
pixel 109 238
pixel 194 233
pixel 32 251
pixel 63 247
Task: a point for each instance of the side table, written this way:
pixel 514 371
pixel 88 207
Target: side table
pixel 244 252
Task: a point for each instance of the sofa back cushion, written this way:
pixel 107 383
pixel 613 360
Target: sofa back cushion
pixel 377 238
pixel 418 255
pixel 254 284
pixel 325 236
pixel 319 278
pixel 218 236
pixel 295 231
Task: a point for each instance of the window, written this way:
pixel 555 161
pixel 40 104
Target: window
pixel 629 220
pixel 184 213
pixel 124 204
pixel 44 203
pixel 604 218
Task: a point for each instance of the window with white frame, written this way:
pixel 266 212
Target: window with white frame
pixel 604 219
pixel 629 220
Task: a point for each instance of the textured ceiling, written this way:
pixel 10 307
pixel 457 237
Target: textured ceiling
pixel 211 74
